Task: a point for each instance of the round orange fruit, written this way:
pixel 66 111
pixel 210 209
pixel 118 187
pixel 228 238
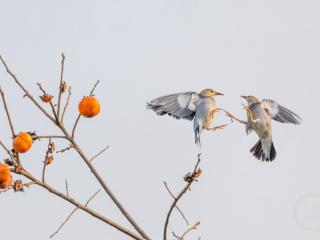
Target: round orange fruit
pixel 89 107
pixel 22 143
pixel 5 176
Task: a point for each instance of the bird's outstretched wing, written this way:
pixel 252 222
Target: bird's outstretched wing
pixel 280 113
pixel 180 105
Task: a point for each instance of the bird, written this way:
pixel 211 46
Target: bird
pixel 199 107
pixel 260 114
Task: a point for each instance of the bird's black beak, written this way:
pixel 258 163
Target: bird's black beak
pixel 244 97
pixel 218 93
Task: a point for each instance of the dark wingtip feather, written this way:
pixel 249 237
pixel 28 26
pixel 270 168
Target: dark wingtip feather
pixel 288 116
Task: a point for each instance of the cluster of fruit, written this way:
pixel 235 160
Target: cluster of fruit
pixel 88 107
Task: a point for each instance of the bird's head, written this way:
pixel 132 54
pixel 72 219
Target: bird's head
pixel 208 92
pixel 250 99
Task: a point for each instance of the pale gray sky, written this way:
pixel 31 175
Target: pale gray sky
pixel 144 49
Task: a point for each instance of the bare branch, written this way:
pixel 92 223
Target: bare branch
pixel 94 87
pixel 82 155
pixel 183 216
pixel 65 149
pixel 64 222
pixel 48 137
pixel 66 106
pixel 193 227
pixel 99 153
pixel 189 178
pixel 12 157
pixel 26 93
pixel 45 162
pixel 51 104
pixel 72 212
pixel 60 85
pixel 81 206
pixel 75 126
pixel 7 113
pixel 67 187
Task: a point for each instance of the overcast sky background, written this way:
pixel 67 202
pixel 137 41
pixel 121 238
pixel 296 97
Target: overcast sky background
pixel 143 49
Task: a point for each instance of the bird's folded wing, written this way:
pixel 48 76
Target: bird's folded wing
pixel 280 113
pixel 180 105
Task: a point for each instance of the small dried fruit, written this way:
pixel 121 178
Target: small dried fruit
pixel 22 143
pixel 46 98
pixel 49 160
pixel 89 107
pixel 63 87
pixel 52 147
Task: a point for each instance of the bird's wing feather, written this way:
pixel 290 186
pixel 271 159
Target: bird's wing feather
pixel 280 113
pixel 180 105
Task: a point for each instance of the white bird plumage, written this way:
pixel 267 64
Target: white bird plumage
pixel 189 105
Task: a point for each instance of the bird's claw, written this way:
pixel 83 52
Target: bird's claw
pixel 245 107
pixel 219 127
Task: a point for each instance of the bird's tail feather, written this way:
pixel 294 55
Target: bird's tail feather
pixel 197 133
pixel 264 150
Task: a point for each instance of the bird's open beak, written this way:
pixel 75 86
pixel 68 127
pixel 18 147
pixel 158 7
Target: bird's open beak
pixel 218 93
pixel 244 97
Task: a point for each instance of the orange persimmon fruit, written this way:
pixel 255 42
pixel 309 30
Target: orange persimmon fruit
pixel 22 143
pixel 5 176
pixel 89 107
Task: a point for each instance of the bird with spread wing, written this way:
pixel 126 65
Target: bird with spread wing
pixel 199 107
pixel 259 114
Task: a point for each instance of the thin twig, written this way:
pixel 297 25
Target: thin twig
pixel 66 106
pixel 99 153
pixel 8 152
pixel 64 222
pixel 81 206
pixel 7 113
pixel 48 136
pixel 94 87
pixel 193 227
pixel 232 117
pixel 189 178
pixel 45 162
pixel 169 191
pixel 72 212
pixel 65 149
pixel 60 85
pixel 75 126
pixel 26 93
pixel 67 187
pixel 51 104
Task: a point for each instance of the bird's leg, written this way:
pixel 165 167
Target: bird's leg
pixel 249 112
pixel 232 117
pixel 217 127
pixel 211 115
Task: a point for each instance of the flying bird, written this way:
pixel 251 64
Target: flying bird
pixel 260 114
pixel 199 107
